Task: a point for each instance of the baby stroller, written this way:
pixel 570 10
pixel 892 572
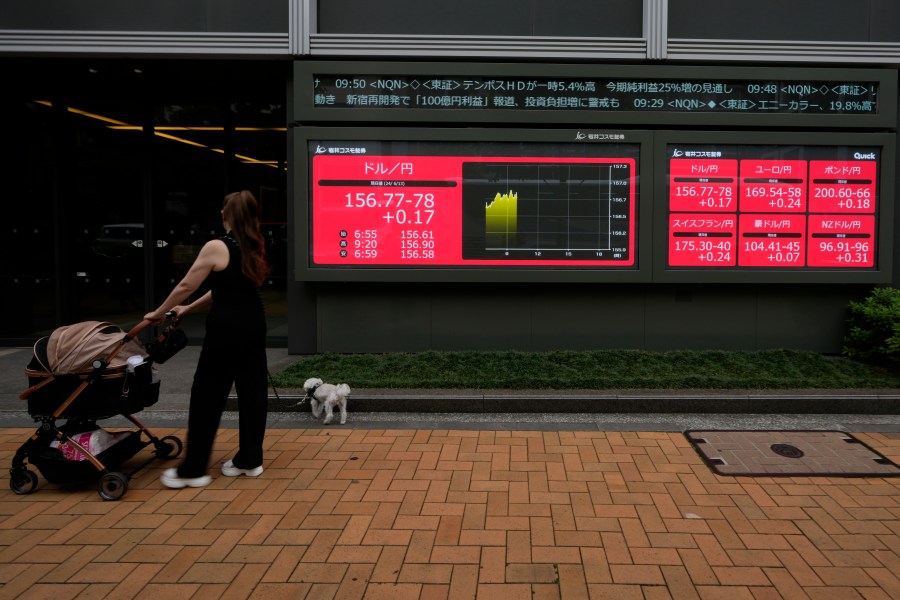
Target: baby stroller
pixel 84 373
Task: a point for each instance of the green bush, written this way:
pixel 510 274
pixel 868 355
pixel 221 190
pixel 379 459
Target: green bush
pixel 874 327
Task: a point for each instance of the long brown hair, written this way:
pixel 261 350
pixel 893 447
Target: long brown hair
pixel 241 210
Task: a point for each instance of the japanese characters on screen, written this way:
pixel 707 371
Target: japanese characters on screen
pixel 449 204
pixel 776 207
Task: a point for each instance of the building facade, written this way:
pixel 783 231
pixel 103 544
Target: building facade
pixel 500 174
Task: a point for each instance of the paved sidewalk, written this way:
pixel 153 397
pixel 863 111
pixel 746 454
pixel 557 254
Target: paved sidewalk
pixel 367 513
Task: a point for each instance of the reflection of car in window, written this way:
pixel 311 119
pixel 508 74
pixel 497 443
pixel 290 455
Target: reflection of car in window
pixel 120 240
pixel 119 251
pixel 121 245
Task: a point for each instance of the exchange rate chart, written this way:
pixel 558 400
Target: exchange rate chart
pixel 546 210
pixel 776 207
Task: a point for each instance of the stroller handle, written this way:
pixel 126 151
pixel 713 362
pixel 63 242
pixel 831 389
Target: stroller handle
pixel 137 329
pixel 147 322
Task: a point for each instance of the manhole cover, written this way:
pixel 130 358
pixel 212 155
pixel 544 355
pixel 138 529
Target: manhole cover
pixel 787 450
pixel 761 453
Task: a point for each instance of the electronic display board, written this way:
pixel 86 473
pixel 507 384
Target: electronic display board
pixel 544 93
pixel 593 95
pixel 774 207
pixel 464 205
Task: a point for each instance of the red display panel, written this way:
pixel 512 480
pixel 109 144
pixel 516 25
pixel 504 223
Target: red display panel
pixel 841 241
pixel 442 207
pixel 799 207
pixel 772 240
pixel 773 185
pixel 707 185
pixel 842 186
pixel 702 240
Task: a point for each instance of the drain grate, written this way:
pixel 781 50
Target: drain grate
pixel 789 453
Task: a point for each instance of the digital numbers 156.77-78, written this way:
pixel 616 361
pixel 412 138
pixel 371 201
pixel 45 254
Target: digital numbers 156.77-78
pixel 389 200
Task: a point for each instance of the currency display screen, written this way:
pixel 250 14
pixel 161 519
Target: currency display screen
pixel 473 204
pixel 781 207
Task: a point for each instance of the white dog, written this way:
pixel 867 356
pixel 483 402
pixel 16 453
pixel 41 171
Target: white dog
pixel 327 395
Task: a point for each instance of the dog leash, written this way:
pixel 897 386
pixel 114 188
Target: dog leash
pixel 272 383
pixel 262 303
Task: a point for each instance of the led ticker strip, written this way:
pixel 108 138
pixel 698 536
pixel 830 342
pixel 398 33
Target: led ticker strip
pixel 472 92
pixel 744 206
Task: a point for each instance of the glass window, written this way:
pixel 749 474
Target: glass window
pixel 101 209
pixel 189 168
pixel 118 169
pixel 210 141
pixel 27 234
pixel 260 165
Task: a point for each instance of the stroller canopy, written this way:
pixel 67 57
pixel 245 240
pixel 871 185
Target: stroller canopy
pixel 72 348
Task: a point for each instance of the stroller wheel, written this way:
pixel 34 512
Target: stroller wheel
pixel 22 481
pixel 169 447
pixel 112 485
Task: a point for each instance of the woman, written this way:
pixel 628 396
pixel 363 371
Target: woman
pixel 233 349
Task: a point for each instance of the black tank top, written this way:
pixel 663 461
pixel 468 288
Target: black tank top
pixel 232 293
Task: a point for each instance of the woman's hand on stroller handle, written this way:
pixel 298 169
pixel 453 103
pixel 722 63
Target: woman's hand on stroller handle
pixel 176 313
pixel 154 318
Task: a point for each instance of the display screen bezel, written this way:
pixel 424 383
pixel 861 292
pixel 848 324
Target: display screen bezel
pixel 651 223
pixel 306 269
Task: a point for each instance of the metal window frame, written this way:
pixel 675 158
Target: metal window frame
pixel 302 39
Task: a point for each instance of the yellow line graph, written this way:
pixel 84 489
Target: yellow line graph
pixel 500 215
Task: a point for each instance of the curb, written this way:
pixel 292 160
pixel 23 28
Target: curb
pixel 556 402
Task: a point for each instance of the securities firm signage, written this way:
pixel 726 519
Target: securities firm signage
pixel 572 94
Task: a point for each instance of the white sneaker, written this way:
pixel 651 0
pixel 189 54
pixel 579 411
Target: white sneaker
pixel 229 470
pixel 171 479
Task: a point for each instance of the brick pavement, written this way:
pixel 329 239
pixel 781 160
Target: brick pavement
pixel 345 513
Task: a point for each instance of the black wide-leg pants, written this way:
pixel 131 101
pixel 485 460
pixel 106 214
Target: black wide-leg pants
pixel 231 355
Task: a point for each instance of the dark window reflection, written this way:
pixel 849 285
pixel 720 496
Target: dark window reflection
pixel 27 239
pixel 118 170
pixel 102 204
